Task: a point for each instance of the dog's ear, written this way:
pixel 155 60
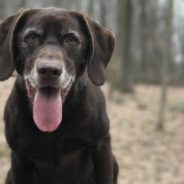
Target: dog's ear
pixel 7 29
pixel 101 46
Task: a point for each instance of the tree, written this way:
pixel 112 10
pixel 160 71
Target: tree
pixel 125 11
pixel 166 60
pixel 2 9
pixel 103 12
pixel 144 36
pixel 91 8
pixel 150 21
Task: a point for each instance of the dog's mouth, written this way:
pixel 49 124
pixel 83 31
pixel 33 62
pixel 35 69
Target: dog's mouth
pixel 47 105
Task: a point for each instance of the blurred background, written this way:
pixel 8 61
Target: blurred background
pixel 144 88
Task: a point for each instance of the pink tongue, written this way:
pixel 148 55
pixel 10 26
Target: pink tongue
pixel 47 110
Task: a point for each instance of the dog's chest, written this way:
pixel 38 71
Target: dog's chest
pixel 58 149
pixel 68 167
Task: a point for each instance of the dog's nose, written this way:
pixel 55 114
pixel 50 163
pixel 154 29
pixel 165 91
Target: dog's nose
pixel 51 70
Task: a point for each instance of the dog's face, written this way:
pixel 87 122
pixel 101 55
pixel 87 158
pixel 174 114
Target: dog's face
pixel 50 48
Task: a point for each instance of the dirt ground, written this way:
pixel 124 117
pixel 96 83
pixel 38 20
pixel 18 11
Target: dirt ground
pixel 145 156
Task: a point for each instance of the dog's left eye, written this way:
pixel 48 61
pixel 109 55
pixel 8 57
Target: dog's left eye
pixel 69 39
pixel 31 37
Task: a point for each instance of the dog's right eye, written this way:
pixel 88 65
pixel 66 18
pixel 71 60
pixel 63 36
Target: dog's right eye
pixel 31 37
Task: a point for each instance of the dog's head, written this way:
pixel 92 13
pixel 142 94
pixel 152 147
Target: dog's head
pixel 51 48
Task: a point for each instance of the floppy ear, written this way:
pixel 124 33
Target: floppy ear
pixel 101 49
pixel 7 28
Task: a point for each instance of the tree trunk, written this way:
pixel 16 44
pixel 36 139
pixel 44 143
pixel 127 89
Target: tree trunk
pixel 144 41
pixel 91 8
pixel 124 36
pixel 2 9
pixel 103 12
pixel 166 60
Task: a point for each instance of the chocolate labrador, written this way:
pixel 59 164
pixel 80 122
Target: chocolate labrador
pixel 55 118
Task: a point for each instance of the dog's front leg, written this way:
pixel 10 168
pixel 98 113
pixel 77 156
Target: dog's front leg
pixel 21 171
pixel 103 161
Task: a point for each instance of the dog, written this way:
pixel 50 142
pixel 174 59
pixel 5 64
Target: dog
pixel 56 123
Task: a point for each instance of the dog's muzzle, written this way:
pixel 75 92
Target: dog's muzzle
pixel 48 94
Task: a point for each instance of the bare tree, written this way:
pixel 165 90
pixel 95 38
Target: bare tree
pixel 166 60
pixel 103 12
pixel 91 8
pixel 2 9
pixel 125 12
pixel 144 39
